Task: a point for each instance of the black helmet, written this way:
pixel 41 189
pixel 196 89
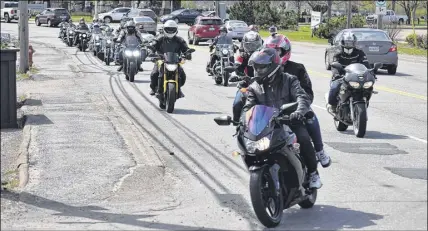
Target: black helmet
pixel 348 42
pixel 222 29
pixel 266 63
pixel 130 26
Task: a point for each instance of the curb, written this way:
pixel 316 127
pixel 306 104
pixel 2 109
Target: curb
pixel 23 157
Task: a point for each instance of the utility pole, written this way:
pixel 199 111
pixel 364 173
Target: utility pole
pixel 349 19
pixel 96 9
pixel 379 21
pixel 23 36
pixel 172 5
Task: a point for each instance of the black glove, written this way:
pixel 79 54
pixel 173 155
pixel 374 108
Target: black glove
pixel 296 116
pixel 189 56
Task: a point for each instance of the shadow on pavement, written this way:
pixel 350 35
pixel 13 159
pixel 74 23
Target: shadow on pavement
pixel 378 135
pixel 326 217
pixel 37 119
pixel 90 212
pixel 193 112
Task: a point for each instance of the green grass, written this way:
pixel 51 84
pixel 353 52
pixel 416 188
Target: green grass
pixel 409 50
pixel 304 35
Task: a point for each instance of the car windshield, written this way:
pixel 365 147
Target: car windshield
pixel 11 5
pixel 211 22
pixel 371 36
pixel 143 19
pixel 238 24
pixel 61 11
pixel 177 12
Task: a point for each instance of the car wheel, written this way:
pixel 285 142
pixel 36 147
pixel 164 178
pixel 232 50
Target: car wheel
pixel 392 70
pixel 49 23
pixel 107 19
pixel 327 65
pixel 37 22
pixel 176 20
pixel 195 40
pixel 188 38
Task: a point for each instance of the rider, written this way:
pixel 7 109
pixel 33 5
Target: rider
pixel 275 88
pixel 81 26
pixel 273 31
pixel 348 55
pixel 169 41
pixel 222 37
pixel 130 31
pixel 283 47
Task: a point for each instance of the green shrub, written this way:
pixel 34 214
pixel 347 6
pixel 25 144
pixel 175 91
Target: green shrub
pixel 421 40
pixel 336 24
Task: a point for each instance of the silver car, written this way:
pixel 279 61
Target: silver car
pixel 377 45
pixel 149 25
pixel 236 29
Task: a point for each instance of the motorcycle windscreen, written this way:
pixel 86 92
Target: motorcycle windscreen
pixel 131 41
pixel 258 118
pixel 225 40
pixel 171 57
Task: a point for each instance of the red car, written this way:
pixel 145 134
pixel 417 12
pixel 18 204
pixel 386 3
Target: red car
pixel 204 29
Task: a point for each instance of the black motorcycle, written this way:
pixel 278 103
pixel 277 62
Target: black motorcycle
pixel 171 61
pixel 354 97
pixel 70 35
pixel 279 178
pixel 82 39
pixel 224 53
pixel 131 57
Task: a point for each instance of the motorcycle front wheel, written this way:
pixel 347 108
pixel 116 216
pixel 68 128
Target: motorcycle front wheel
pixel 360 120
pixel 267 206
pixel 171 97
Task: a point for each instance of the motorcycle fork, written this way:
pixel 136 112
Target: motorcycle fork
pixel 165 81
pixel 274 172
pixel 351 105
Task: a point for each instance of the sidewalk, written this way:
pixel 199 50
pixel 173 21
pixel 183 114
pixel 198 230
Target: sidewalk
pixel 73 145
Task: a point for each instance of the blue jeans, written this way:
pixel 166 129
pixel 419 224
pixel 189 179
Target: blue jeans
pixel 334 91
pixel 314 131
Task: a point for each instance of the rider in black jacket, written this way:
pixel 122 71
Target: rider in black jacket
pixel 169 42
pixel 130 31
pixel 82 26
pixel 275 88
pixel 349 55
pixel 283 47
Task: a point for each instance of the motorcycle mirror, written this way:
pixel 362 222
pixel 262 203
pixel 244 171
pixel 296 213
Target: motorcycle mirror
pixel 337 66
pixel 223 120
pixel 377 66
pixel 230 69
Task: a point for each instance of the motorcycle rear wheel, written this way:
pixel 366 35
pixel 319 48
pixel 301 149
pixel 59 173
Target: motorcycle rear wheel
pixel 264 213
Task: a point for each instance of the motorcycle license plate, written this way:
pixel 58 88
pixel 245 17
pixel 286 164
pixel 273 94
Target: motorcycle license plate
pixel 211 29
pixel 374 49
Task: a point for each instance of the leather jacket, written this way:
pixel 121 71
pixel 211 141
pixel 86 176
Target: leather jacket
pixel 123 34
pixel 357 56
pixel 284 89
pixel 299 70
pixel 175 44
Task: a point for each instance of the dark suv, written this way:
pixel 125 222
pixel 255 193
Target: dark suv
pixel 52 16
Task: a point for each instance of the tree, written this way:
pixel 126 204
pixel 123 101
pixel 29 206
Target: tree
pixel 298 5
pixel 243 10
pixel 318 6
pixel 409 6
pixel 393 5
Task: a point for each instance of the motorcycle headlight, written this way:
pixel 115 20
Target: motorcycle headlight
pixel 225 52
pixel 97 37
pixel 368 84
pixel 70 31
pixel 84 35
pixel 128 53
pixel 171 67
pixel 354 84
pixel 108 41
pixel 136 53
pixel 259 145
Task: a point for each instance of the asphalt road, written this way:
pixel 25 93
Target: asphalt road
pixel 378 182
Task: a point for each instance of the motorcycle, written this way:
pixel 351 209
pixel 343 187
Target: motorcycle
pixel 69 36
pixel 82 39
pixel 354 96
pixel 131 57
pixel 107 47
pixel 96 40
pixel 171 63
pixel 63 30
pixel 279 178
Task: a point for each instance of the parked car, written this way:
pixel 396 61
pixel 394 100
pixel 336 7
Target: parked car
pixel 9 11
pixel 236 29
pixel 187 16
pixel 142 12
pixel 377 45
pixel 389 18
pixel 204 29
pixel 52 16
pixel 149 25
pixel 210 13
pixel 114 15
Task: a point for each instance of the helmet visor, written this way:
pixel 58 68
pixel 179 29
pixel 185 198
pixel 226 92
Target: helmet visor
pixel 348 43
pixel 170 30
pixel 260 58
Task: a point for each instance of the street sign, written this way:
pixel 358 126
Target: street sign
pixel 381 10
pixel 381 3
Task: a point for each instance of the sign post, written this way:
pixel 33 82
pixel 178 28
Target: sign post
pixel 315 21
pixel 380 11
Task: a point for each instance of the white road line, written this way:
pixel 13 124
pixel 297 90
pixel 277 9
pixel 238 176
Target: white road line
pixel 323 108
pixel 418 139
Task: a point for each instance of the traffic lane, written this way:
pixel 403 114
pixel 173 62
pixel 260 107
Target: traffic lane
pixel 223 96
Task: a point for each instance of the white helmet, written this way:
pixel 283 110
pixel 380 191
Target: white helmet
pixel 170 28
